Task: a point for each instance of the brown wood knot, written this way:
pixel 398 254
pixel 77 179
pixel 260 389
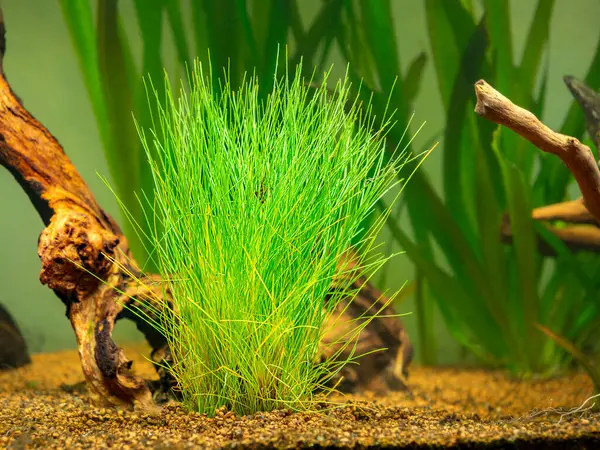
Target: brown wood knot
pixel 73 250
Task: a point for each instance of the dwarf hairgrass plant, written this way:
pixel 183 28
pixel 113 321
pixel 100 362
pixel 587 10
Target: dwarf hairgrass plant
pixel 257 199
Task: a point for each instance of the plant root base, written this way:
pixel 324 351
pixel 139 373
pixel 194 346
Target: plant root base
pixel 447 408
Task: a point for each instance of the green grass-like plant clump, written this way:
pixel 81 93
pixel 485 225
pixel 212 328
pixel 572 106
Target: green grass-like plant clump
pixel 256 201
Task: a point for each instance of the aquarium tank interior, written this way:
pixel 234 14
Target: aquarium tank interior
pixel 300 223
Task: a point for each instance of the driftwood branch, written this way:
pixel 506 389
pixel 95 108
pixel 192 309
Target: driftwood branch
pixel 86 261
pixel 77 249
pixel 579 231
pixel 578 157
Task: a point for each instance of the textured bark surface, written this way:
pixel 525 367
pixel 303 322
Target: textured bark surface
pixel 77 249
pixel 86 261
pixel 580 230
pixel 578 157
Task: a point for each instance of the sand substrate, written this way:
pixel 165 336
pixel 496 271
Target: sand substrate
pixel 447 408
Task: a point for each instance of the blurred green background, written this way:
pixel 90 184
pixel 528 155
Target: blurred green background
pixel 42 68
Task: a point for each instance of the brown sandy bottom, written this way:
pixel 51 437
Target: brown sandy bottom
pixel 446 408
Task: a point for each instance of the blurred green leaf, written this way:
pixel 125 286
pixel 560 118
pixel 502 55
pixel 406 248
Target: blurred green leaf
pixel 535 44
pixel 425 310
pixel 450 29
pixel 78 16
pixel 558 176
pixel 380 34
pixel 414 77
pixel 497 17
pixel 456 295
pixel 222 19
pixel 173 8
pixel 150 21
pixel 460 139
pixel 117 87
pixel 524 313
pixel 276 38
pixel 580 357
pixel 355 49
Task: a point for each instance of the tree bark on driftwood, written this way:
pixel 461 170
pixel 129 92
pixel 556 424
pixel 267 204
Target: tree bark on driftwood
pixel 578 157
pixel 77 249
pixel 86 261
pixel 580 231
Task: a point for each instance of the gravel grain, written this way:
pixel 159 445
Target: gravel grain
pixel 43 405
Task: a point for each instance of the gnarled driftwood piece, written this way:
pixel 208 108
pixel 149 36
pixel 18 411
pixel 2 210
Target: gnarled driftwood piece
pixel 87 262
pixel 580 231
pixel 578 158
pixel 77 249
